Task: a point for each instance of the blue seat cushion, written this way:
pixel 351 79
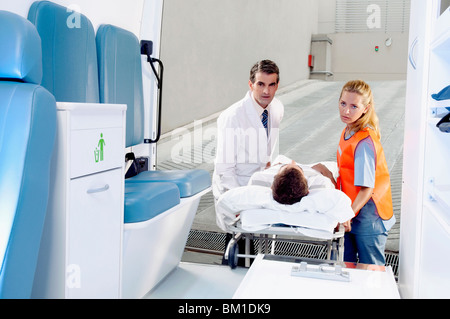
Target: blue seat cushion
pixel 144 201
pixel 189 182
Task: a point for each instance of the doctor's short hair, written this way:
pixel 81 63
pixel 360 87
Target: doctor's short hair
pixel 289 186
pixel 266 66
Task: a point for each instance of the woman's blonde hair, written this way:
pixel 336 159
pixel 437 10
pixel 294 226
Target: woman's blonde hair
pixel 370 118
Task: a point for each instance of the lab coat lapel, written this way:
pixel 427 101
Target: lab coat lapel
pixel 273 134
pixel 255 121
pixel 252 115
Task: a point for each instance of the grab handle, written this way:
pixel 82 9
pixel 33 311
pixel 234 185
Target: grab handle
pixel 147 49
pixel 98 190
pixel 159 79
pixel 411 53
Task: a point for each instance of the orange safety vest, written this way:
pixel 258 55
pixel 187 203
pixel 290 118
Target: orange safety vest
pixel 381 195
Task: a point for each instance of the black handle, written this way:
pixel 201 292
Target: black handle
pixel 160 85
pixel 147 49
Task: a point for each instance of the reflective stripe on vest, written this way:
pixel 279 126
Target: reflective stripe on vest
pixel 345 154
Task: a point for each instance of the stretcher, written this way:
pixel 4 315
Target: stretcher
pixel 279 233
pixel 250 212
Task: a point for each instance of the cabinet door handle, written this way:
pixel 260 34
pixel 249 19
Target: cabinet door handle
pixel 98 190
pixel 411 53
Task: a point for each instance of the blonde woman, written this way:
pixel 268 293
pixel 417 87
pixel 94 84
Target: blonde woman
pixel 363 176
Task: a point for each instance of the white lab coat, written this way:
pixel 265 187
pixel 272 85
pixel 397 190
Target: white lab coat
pixel 243 147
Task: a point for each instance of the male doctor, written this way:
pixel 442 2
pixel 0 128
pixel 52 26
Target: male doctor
pixel 248 131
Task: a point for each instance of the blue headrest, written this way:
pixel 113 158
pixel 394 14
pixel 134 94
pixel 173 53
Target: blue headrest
pixel 69 54
pixel 20 49
pixel 120 75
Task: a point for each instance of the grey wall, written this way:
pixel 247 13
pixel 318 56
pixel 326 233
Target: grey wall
pixel 209 46
pixel 353 53
pixel 353 56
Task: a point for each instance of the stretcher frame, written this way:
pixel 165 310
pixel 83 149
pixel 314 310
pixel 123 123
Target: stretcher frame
pixel 291 234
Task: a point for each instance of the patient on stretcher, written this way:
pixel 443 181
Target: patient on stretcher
pixel 291 181
pixel 289 184
pixel 254 204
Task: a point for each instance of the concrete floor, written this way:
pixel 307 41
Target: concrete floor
pixel 309 133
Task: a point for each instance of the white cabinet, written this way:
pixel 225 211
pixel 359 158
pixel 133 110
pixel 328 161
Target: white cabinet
pixel 425 219
pixel 81 248
pixel 434 274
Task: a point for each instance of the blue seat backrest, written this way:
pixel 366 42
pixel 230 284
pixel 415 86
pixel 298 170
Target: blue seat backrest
pixel 27 134
pixel 119 62
pixel 120 77
pixel 69 54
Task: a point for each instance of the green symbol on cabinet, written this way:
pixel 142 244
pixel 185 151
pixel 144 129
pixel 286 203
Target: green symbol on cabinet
pixel 98 152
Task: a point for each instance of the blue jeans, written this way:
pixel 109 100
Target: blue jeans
pixel 366 249
pixel 367 239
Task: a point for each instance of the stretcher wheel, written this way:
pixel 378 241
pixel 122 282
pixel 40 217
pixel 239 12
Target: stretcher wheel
pixel 233 255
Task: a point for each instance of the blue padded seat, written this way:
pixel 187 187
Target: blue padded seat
pixel 69 52
pixel 143 202
pixel 27 135
pixel 120 77
pixel 119 63
pixel 189 182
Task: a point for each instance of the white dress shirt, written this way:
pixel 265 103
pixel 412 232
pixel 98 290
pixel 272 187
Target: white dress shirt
pixel 243 147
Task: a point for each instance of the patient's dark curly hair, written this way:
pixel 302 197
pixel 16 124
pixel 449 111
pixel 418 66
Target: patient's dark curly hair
pixel 289 186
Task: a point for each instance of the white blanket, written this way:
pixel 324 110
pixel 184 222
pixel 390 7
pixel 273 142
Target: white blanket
pixel 309 225
pixel 321 209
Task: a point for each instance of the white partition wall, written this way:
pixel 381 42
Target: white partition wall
pixel 425 218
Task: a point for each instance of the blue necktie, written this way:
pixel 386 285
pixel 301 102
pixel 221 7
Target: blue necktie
pixel 265 114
